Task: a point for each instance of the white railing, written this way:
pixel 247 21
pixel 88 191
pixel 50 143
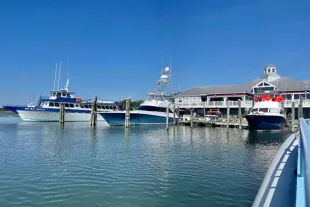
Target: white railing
pixel 234 104
pixel 288 103
pixel 215 104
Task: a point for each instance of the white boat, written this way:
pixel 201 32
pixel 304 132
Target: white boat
pixel 267 114
pixel 152 111
pixel 48 108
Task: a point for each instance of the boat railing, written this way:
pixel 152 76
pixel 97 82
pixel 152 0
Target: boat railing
pixel 303 165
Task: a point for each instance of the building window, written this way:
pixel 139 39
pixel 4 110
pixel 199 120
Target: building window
pixel 296 96
pixel 288 97
pixel 308 96
pixel 180 100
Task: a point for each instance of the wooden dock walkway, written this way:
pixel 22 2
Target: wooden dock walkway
pixel 213 123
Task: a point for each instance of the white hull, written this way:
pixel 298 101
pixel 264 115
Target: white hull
pixel 46 116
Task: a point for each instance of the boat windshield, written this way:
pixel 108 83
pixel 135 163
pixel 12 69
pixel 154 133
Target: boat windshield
pixel 263 110
pixel 274 111
pixel 153 108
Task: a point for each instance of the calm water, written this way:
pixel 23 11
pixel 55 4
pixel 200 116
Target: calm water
pixel 44 165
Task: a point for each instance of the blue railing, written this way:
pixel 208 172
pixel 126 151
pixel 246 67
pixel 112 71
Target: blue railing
pixel 303 166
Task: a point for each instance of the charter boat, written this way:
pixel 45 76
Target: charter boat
pixel 47 108
pixel 267 113
pixel 152 111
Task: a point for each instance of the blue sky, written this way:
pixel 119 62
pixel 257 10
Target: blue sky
pixel 115 47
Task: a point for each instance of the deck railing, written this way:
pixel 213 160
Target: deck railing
pixel 234 104
pixel 303 166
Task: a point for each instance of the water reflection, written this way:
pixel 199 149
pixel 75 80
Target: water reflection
pixel 113 166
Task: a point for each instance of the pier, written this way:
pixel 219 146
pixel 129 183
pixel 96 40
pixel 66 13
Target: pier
pixel 287 180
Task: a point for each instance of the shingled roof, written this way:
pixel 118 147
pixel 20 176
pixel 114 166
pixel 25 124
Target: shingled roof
pixel 282 83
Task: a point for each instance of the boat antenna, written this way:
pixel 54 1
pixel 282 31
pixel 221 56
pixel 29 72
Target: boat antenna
pixel 59 74
pixel 162 64
pixel 55 77
pixel 67 83
pixel 68 68
pixel 170 71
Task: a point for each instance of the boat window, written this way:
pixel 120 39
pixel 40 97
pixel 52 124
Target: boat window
pixel 64 94
pixel 274 110
pixel 71 106
pixel 58 95
pixel 68 95
pixel 254 110
pixel 150 97
pixel 281 111
pixel 114 107
pixel 57 104
pixel 51 104
pixel 153 108
pixel 86 106
pixel 82 106
pixel 66 105
pixel 263 109
pixel 76 105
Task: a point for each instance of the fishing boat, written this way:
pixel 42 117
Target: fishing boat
pixel 267 114
pixel 153 109
pixel 47 109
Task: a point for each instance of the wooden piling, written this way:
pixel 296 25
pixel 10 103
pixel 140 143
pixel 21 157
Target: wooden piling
pixel 204 109
pixel 300 108
pixel 174 119
pixel 167 118
pixel 239 114
pixel 62 114
pixel 293 117
pixel 93 117
pixel 228 113
pixel 192 118
pixel 127 115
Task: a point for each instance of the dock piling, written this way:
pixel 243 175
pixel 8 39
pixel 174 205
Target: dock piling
pixel 174 119
pixel 239 114
pixel 93 117
pixel 204 109
pixel 62 114
pixel 228 112
pixel 127 115
pixel 293 117
pixel 167 118
pixel 300 109
pixel 192 118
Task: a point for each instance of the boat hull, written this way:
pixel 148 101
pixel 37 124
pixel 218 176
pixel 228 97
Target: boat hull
pixel 35 114
pixel 136 118
pixel 264 122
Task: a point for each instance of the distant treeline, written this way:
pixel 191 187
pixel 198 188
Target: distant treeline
pixel 133 103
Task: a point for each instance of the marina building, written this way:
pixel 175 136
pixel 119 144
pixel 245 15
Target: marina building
pixel 212 98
